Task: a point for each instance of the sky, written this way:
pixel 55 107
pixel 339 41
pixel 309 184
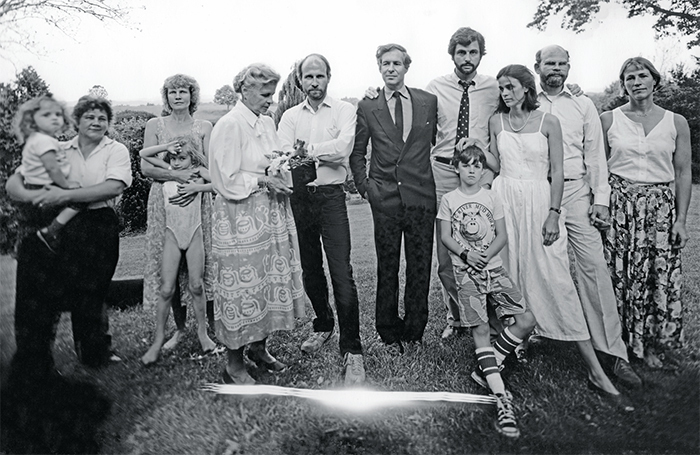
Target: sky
pixel 213 40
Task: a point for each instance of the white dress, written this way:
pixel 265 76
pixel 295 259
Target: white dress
pixel 541 272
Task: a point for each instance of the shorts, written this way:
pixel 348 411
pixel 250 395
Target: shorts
pixel 494 285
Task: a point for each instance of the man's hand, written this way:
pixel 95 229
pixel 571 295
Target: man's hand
pixel 575 89
pixel 276 184
pixel 372 92
pixel 599 216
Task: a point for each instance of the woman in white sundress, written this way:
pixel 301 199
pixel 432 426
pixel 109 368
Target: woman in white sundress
pixel 527 144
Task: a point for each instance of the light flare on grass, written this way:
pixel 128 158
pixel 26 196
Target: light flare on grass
pixel 351 399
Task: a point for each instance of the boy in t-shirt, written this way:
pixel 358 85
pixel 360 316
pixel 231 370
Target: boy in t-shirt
pixel 473 229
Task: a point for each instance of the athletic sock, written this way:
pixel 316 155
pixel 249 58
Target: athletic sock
pixel 505 344
pixel 489 367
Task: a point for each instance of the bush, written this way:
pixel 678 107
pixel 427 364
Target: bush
pixel 128 128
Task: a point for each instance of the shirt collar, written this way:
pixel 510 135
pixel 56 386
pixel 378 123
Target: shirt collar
pixel 388 93
pixel 74 144
pixel 328 101
pixel 248 115
pixel 565 91
pixel 478 79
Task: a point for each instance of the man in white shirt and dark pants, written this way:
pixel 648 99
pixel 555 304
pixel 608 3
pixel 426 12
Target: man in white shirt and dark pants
pixel 585 173
pixel 327 127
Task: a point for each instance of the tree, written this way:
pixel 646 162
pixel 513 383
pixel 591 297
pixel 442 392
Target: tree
pixel 680 15
pixel 16 18
pixel 99 91
pixel 226 95
pixel 290 94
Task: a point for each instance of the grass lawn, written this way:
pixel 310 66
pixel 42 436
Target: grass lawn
pixel 161 409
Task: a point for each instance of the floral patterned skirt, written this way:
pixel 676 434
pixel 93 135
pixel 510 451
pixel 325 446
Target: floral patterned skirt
pixel 257 271
pixel 644 267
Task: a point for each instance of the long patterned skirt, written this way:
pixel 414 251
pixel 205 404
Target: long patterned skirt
pixel 257 272
pixel 645 268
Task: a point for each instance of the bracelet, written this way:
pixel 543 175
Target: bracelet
pixel 463 255
pixel 554 209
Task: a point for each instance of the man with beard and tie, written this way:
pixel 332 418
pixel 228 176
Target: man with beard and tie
pixel 466 102
pixel 585 178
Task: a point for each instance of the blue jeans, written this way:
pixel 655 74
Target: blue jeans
pixel 321 217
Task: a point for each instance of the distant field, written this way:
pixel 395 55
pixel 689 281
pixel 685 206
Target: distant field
pixel 206 111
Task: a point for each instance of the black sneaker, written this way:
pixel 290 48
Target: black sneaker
pixel 505 419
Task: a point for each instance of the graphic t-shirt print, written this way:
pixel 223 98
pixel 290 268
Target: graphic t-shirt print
pixel 473 226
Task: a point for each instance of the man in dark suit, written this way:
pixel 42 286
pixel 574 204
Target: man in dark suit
pixel 400 188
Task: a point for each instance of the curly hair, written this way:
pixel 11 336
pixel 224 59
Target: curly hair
pixel 90 102
pixel 180 81
pixel 527 80
pixel 465 36
pixel 257 74
pixel 383 49
pixel 188 145
pixel 24 124
pixel 639 63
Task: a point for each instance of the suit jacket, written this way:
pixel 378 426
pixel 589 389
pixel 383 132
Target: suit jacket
pixel 400 174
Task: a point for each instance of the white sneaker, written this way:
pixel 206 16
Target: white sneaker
pixel 354 369
pixel 315 341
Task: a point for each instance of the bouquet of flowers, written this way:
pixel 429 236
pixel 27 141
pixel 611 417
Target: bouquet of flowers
pixel 296 168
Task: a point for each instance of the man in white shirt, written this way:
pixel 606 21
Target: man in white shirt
pixel 585 174
pixel 466 102
pixel 327 127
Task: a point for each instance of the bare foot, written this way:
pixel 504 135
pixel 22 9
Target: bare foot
pixel 207 344
pixel 151 356
pixel 174 341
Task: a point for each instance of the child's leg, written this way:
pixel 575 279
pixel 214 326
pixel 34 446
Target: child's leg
pixel 49 234
pixel 486 358
pixel 195 270
pixel 168 275
pixel 512 336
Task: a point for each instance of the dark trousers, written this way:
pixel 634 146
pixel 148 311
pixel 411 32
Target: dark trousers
pixel 321 217
pixel 415 226
pixel 76 279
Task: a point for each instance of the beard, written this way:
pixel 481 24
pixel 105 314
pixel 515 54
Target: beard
pixel 554 80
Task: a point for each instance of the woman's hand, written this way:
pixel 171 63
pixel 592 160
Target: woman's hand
pixel 182 200
pixel 277 185
pixel 52 195
pixel 679 235
pixel 550 230
pixel 465 142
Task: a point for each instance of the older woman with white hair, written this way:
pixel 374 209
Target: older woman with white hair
pixel 257 285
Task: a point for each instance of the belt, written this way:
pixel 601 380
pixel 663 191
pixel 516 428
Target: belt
pixel 571 180
pixel 324 188
pixel 443 160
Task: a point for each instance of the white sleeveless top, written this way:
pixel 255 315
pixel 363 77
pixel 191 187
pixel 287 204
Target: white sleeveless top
pixel 639 157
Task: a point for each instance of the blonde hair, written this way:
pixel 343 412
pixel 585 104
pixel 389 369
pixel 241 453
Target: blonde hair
pixel 189 145
pixel 180 81
pixel 24 124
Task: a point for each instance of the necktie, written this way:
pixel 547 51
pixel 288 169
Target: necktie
pixel 463 119
pixel 398 112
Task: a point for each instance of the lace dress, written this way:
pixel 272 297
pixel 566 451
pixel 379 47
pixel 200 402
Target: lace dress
pixel 155 233
pixel 541 272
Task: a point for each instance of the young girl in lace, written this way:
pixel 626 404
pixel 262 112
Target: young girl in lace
pixel 183 233
pixel 44 162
